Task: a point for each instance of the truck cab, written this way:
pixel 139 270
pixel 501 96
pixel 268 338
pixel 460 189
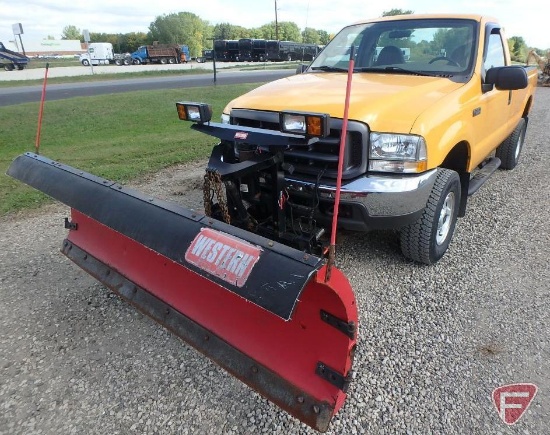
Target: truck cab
pixel 98 53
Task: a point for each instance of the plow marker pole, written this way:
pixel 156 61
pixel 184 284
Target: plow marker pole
pixel 332 248
pixel 41 111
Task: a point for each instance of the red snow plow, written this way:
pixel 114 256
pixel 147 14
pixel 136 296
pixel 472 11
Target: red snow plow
pixel 246 283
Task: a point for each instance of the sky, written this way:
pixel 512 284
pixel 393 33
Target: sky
pixel 42 18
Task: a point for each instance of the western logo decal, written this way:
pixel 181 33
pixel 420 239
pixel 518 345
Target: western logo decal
pixel 223 255
pixel 241 135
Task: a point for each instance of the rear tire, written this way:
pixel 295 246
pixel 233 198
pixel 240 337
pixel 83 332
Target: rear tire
pixel 126 61
pixel 118 62
pixel 171 60
pixel 163 61
pixel 508 151
pixel 8 67
pixel 427 239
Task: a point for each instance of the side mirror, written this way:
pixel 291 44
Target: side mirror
pixel 301 68
pixel 507 78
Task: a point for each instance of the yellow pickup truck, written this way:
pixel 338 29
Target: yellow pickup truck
pixel 436 107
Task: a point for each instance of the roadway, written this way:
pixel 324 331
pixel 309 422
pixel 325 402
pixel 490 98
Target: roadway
pixel 32 93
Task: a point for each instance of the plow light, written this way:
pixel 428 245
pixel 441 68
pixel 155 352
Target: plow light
pixel 195 112
pixel 308 124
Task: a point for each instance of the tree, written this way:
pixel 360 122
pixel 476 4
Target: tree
pixel 229 31
pixel 310 36
pixel 122 43
pixel 182 28
pixel 324 37
pixel 288 31
pixel 131 41
pixel 267 31
pixel 518 48
pixel 71 32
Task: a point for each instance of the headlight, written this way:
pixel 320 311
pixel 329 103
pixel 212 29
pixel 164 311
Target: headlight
pixel 226 119
pixel 308 124
pixel 397 153
pixel 196 112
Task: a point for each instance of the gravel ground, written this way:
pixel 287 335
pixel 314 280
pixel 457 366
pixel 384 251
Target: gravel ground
pixel 434 341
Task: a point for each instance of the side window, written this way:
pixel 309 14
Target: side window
pixel 495 52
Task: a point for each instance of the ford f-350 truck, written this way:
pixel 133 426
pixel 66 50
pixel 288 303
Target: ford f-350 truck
pixel 251 283
pixel 424 132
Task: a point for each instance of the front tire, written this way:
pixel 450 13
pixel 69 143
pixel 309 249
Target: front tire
pixel 427 239
pixel 508 151
pixel 86 62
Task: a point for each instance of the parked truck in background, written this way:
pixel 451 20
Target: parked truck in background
pixel 278 51
pixel 227 50
pixel 102 53
pixel 161 53
pixel 11 60
pixel 207 56
pixel 252 50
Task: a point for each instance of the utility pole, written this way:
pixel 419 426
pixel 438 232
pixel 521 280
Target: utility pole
pixel 276 23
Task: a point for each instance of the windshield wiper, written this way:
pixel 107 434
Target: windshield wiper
pixel 396 69
pixel 329 68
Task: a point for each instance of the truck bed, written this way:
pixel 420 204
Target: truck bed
pixel 162 52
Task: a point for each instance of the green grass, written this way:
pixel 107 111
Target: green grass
pixel 121 137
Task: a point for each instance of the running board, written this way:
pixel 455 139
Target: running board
pixel 483 174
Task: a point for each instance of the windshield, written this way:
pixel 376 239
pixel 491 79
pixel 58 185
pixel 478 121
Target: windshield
pixel 424 46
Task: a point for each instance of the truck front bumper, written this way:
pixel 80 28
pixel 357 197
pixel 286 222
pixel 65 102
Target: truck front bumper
pixel 370 202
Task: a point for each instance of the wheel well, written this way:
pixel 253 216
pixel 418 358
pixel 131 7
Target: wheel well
pixel 457 160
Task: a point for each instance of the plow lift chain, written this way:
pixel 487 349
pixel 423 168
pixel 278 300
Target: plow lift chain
pixel 213 186
pixel 264 205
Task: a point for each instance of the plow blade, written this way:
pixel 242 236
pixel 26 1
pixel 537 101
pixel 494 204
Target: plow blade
pixel 259 309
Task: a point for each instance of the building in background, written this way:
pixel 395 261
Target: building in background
pixel 48 47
